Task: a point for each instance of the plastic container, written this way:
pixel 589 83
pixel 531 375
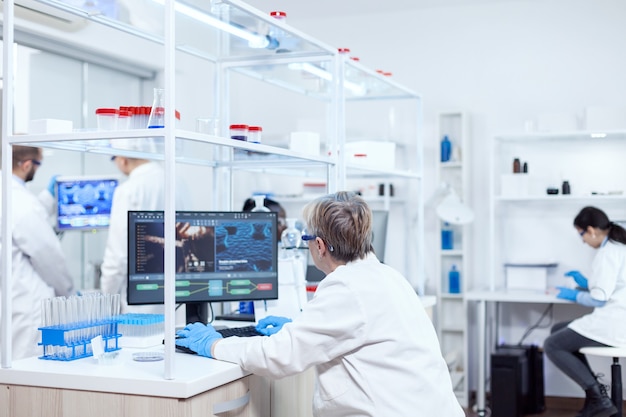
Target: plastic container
pixel 254 134
pixel 239 132
pixel 446 149
pixel 280 15
pixel 454 281
pixel 447 237
pixel 106 118
pixel 124 119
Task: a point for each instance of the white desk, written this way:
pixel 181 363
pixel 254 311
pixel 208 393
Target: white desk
pixel 82 387
pixel 482 297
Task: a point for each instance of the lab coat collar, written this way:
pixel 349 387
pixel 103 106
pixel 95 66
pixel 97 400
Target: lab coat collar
pixel 606 239
pixel 19 180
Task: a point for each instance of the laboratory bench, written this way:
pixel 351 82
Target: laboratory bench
pixel 125 387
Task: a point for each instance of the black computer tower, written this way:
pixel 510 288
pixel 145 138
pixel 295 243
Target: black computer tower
pixel 517 385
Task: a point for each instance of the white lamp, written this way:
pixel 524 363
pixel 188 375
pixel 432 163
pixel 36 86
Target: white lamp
pixel 449 207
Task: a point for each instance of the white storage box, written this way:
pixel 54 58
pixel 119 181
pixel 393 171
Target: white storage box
pixel 372 154
pixel 41 126
pixel 527 276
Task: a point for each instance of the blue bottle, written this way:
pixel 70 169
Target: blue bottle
pixel 447 237
pixel 454 280
pixel 446 149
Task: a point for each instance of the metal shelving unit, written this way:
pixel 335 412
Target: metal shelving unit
pixel 226 34
pixel 451 307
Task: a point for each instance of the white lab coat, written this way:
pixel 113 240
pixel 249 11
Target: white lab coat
pixel 374 348
pixel 607 282
pixel 143 190
pixel 39 269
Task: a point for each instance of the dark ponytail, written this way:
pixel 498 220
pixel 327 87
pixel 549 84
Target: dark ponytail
pixel 596 218
pixel 617 233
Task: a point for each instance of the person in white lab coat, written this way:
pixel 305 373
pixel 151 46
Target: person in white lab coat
pixel 365 331
pixel 143 190
pixel 39 267
pixel 605 290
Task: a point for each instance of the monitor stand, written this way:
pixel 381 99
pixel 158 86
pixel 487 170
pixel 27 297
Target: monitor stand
pixel 196 312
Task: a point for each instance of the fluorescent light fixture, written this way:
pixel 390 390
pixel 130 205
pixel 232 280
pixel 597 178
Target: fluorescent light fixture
pixel 598 135
pixel 254 40
pixel 357 89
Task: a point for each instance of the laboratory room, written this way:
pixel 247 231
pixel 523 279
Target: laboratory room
pixel 269 208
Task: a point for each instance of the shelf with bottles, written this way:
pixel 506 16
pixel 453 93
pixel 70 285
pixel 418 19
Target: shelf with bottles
pixel 585 167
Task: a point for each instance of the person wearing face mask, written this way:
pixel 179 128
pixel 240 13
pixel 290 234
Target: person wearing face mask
pixel 39 268
pixel 605 291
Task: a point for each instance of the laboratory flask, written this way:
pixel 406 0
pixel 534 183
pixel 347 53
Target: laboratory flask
pixel 157 113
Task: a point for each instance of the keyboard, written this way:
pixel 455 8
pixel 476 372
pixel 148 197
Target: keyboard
pixel 246 331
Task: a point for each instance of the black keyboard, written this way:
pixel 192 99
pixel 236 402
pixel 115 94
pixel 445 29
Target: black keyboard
pixel 245 331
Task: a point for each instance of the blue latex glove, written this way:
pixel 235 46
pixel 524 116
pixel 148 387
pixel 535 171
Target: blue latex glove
pixel 567 293
pixel 579 278
pixel 198 337
pixel 52 185
pixel 271 325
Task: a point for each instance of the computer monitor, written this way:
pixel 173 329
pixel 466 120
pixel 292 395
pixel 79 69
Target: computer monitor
pixel 84 202
pixel 380 220
pixel 220 257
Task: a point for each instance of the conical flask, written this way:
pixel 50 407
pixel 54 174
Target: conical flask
pixel 291 236
pixel 157 113
pixel 259 201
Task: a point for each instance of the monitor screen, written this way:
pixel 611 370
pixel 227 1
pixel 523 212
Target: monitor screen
pixel 380 219
pixel 84 202
pixel 220 256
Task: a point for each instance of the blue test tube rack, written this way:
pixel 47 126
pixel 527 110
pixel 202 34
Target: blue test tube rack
pixel 73 341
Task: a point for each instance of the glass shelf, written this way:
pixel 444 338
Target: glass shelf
pixel 273 52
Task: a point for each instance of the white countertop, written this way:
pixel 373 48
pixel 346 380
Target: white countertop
pixel 516 296
pixel 193 374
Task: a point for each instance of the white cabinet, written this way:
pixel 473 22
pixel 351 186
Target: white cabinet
pixel 228 40
pixel 453 250
pixel 527 225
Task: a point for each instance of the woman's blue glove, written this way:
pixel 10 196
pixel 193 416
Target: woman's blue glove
pixel 579 278
pixel 271 325
pixel 567 293
pixel 198 337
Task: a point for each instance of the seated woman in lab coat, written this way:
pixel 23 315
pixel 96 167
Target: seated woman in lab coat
pixel 365 331
pixel 605 290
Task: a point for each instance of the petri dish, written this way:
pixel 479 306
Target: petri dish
pixel 148 356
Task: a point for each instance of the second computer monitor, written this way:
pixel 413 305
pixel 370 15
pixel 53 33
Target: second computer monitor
pixel 220 256
pixel 84 202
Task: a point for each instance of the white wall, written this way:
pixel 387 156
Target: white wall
pixel 504 63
